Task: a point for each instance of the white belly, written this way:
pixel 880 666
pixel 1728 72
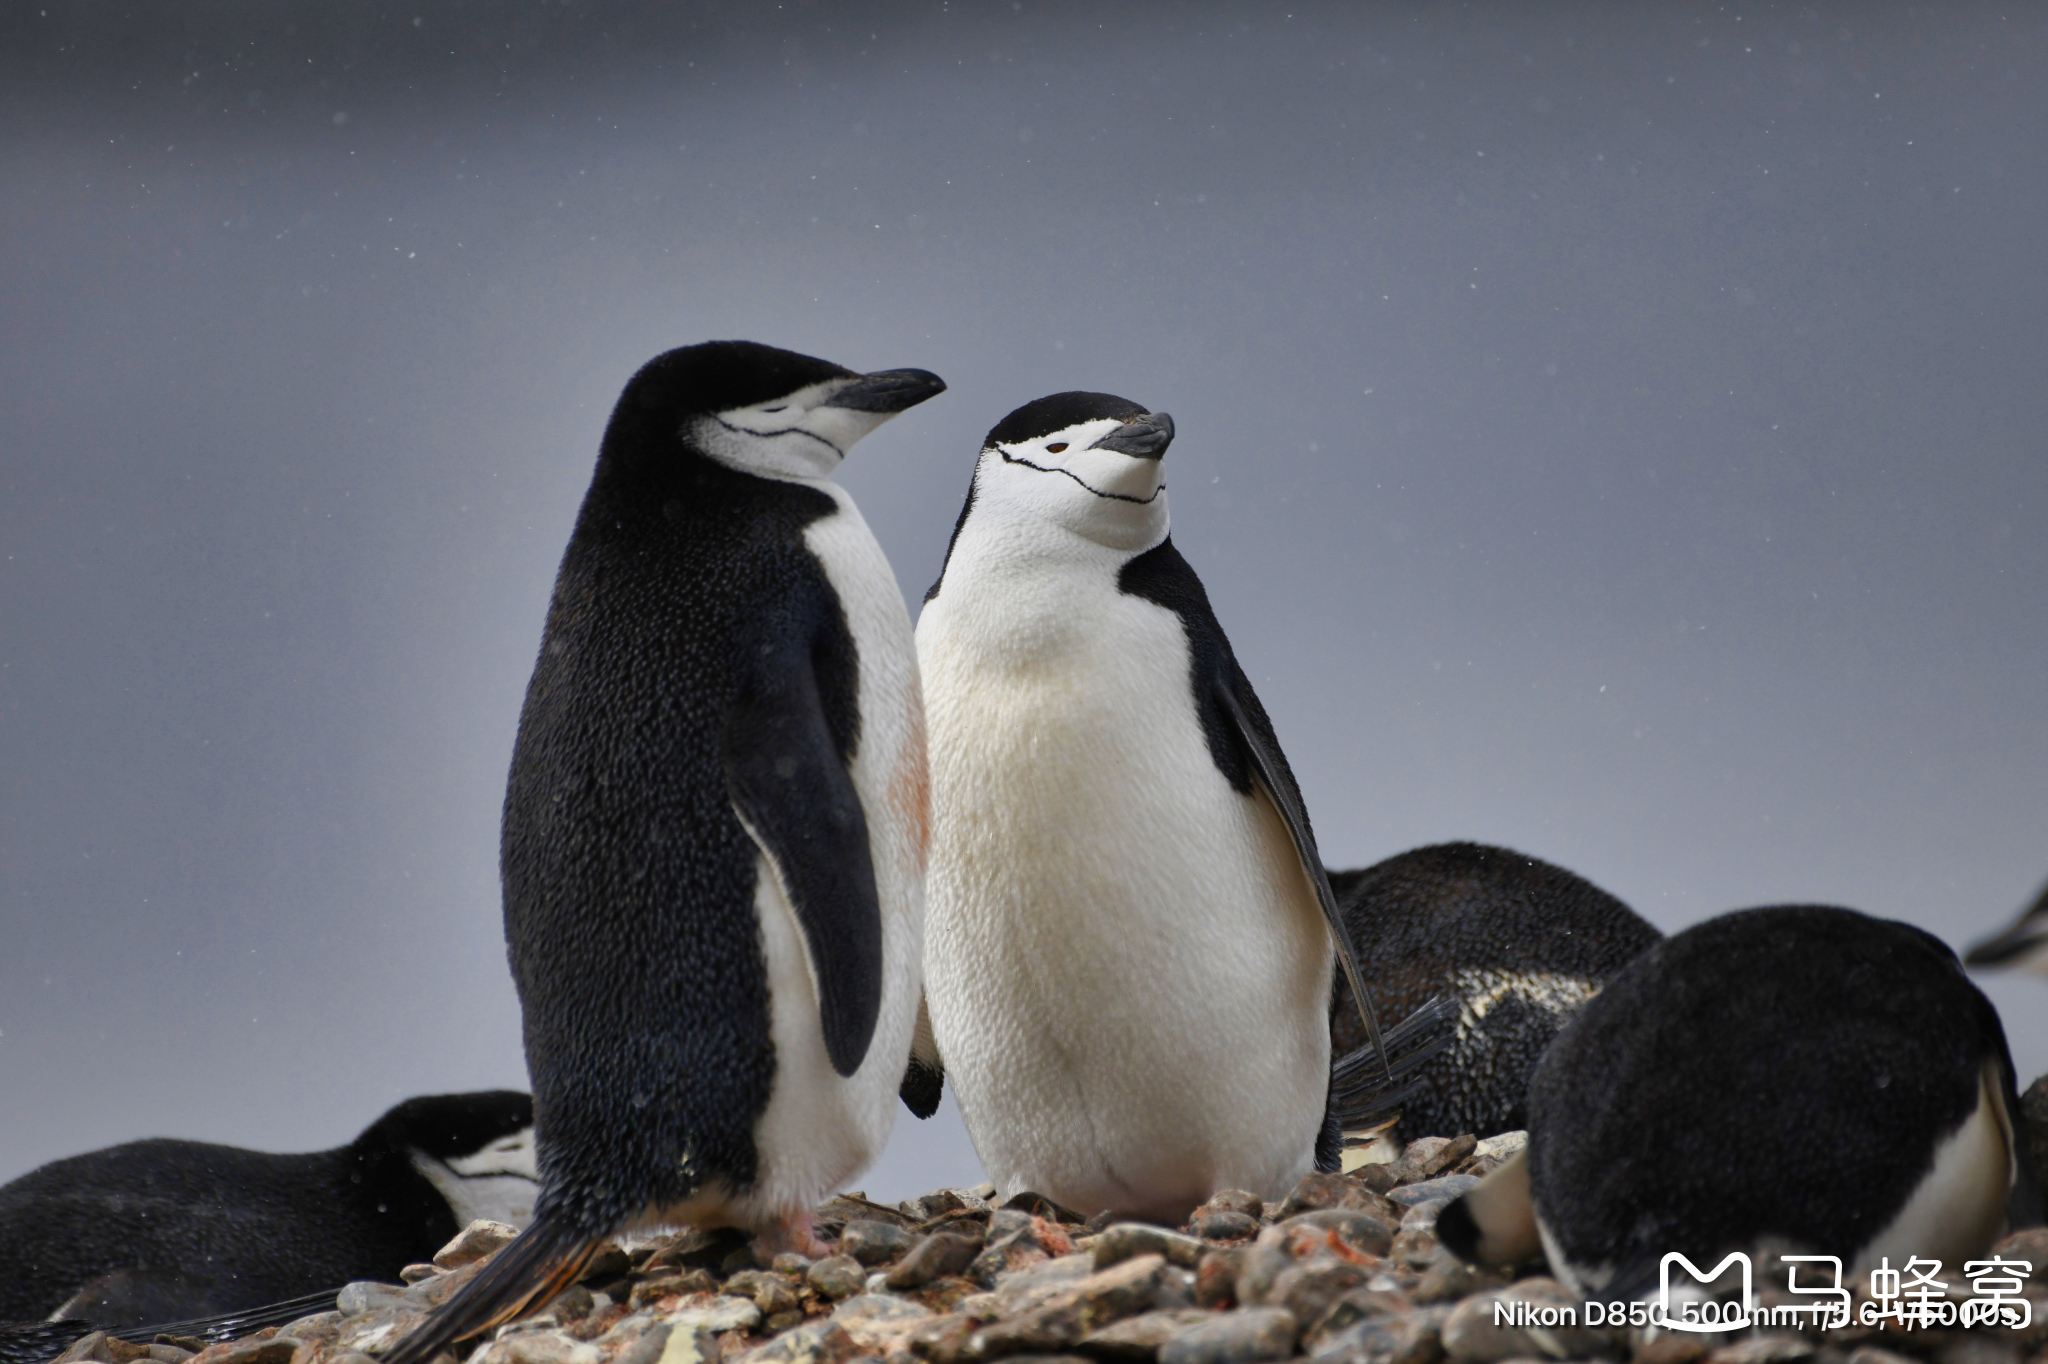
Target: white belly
pixel 1127 972
pixel 820 1128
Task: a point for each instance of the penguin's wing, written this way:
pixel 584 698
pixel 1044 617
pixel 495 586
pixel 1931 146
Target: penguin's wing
pixel 924 1079
pixel 787 776
pixel 1276 780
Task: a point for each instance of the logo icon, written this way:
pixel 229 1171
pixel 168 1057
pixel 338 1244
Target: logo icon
pixel 1695 1309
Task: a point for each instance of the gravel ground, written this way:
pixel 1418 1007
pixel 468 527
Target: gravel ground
pixel 1345 1270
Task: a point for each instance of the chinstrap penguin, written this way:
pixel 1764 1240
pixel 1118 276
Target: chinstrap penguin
pixel 1129 937
pixel 715 825
pixel 160 1230
pixel 1799 1076
pixel 2023 943
pixel 1516 943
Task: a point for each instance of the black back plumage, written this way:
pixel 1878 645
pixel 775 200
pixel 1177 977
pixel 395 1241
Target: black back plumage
pixel 184 1228
pixel 1514 942
pixel 629 880
pixel 1783 1072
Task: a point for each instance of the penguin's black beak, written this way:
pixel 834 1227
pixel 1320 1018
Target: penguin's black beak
pixel 888 390
pixel 1143 437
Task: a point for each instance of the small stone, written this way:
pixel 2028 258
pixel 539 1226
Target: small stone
pixel 1237 1200
pixel 1361 1231
pixel 276 1350
pixel 1038 1205
pixel 1222 1224
pixel 1037 1284
pixel 1245 1337
pixel 536 1347
pixel 1139 1338
pixel 940 1340
pixel 789 1262
pixel 1445 1187
pixel 771 1292
pixel 820 1342
pixel 874 1243
pixel 374 1332
pixel 1321 1189
pixel 1307 1291
pixel 1216 1278
pixel 1258 1266
pixel 939 1254
pixel 1431 1156
pixel 1118 1292
pixel 480 1238
pixel 412 1274
pixel 716 1313
pixel 85 1347
pixel 836 1277
pixel 1501 1145
pixel 608 1262
pixel 651 1346
pixel 358 1298
pixel 648 1292
pixel 169 1354
pixel 1411 1339
pixel 1776 1348
pixel 875 1321
pixel 1126 1240
pixel 1684 1347
pixel 1449 1278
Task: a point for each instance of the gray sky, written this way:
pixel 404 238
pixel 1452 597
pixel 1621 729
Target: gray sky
pixel 1613 432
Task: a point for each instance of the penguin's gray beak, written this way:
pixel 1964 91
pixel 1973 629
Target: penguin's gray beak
pixel 888 391
pixel 1143 437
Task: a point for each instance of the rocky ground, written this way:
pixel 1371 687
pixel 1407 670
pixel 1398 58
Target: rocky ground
pixel 1346 1270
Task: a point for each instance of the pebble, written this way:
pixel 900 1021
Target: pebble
pixel 1342 1270
pixel 1245 1337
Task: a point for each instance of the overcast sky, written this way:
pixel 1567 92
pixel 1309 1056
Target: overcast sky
pixel 1614 432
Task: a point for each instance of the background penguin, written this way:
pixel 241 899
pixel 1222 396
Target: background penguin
pixel 1129 935
pixel 1801 1074
pixel 715 824
pixel 1516 943
pixel 2022 943
pixel 163 1230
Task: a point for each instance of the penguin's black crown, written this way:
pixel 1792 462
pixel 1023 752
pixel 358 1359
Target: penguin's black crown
pixel 449 1125
pixel 1057 412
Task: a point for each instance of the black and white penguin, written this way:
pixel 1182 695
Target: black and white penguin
pixel 1129 935
pixel 715 825
pixel 1516 944
pixel 2023 943
pixel 164 1230
pixel 1799 1075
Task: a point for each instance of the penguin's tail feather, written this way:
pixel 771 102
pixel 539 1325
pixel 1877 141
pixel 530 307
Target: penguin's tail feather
pixel 545 1259
pixel 1365 1093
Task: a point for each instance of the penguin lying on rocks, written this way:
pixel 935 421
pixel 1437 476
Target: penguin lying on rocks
pixel 1799 1074
pixel 2023 943
pixel 163 1230
pixel 715 825
pixel 1130 938
pixel 1516 943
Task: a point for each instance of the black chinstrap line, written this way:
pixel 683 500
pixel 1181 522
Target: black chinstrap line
pixel 785 431
pixel 1009 458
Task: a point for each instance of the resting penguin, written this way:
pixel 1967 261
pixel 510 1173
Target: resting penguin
pixel 2022 943
pixel 1799 1074
pixel 715 825
pixel 1516 943
pixel 1129 936
pixel 164 1230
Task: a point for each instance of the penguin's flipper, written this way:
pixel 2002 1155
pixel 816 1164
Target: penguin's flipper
pixel 924 1079
pixel 1241 705
pixel 788 780
pixel 542 1261
pixel 1495 1222
pixel 2023 943
pixel 1363 1095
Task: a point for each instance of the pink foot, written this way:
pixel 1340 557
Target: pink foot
pixel 792 1233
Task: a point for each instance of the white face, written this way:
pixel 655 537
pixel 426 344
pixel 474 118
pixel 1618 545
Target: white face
pixel 498 1183
pixel 794 436
pixel 1106 496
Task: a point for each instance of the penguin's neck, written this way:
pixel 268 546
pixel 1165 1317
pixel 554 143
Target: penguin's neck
pixel 1022 596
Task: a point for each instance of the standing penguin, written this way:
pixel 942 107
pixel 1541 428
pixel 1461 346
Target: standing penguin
pixel 163 1230
pixel 715 825
pixel 1517 943
pixel 1799 1074
pixel 1129 943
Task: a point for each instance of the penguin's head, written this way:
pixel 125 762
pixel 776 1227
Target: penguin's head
pixel 753 408
pixel 475 1149
pixel 1092 463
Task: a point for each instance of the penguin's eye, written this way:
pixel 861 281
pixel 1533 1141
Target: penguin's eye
pixel 779 407
pixel 1056 447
